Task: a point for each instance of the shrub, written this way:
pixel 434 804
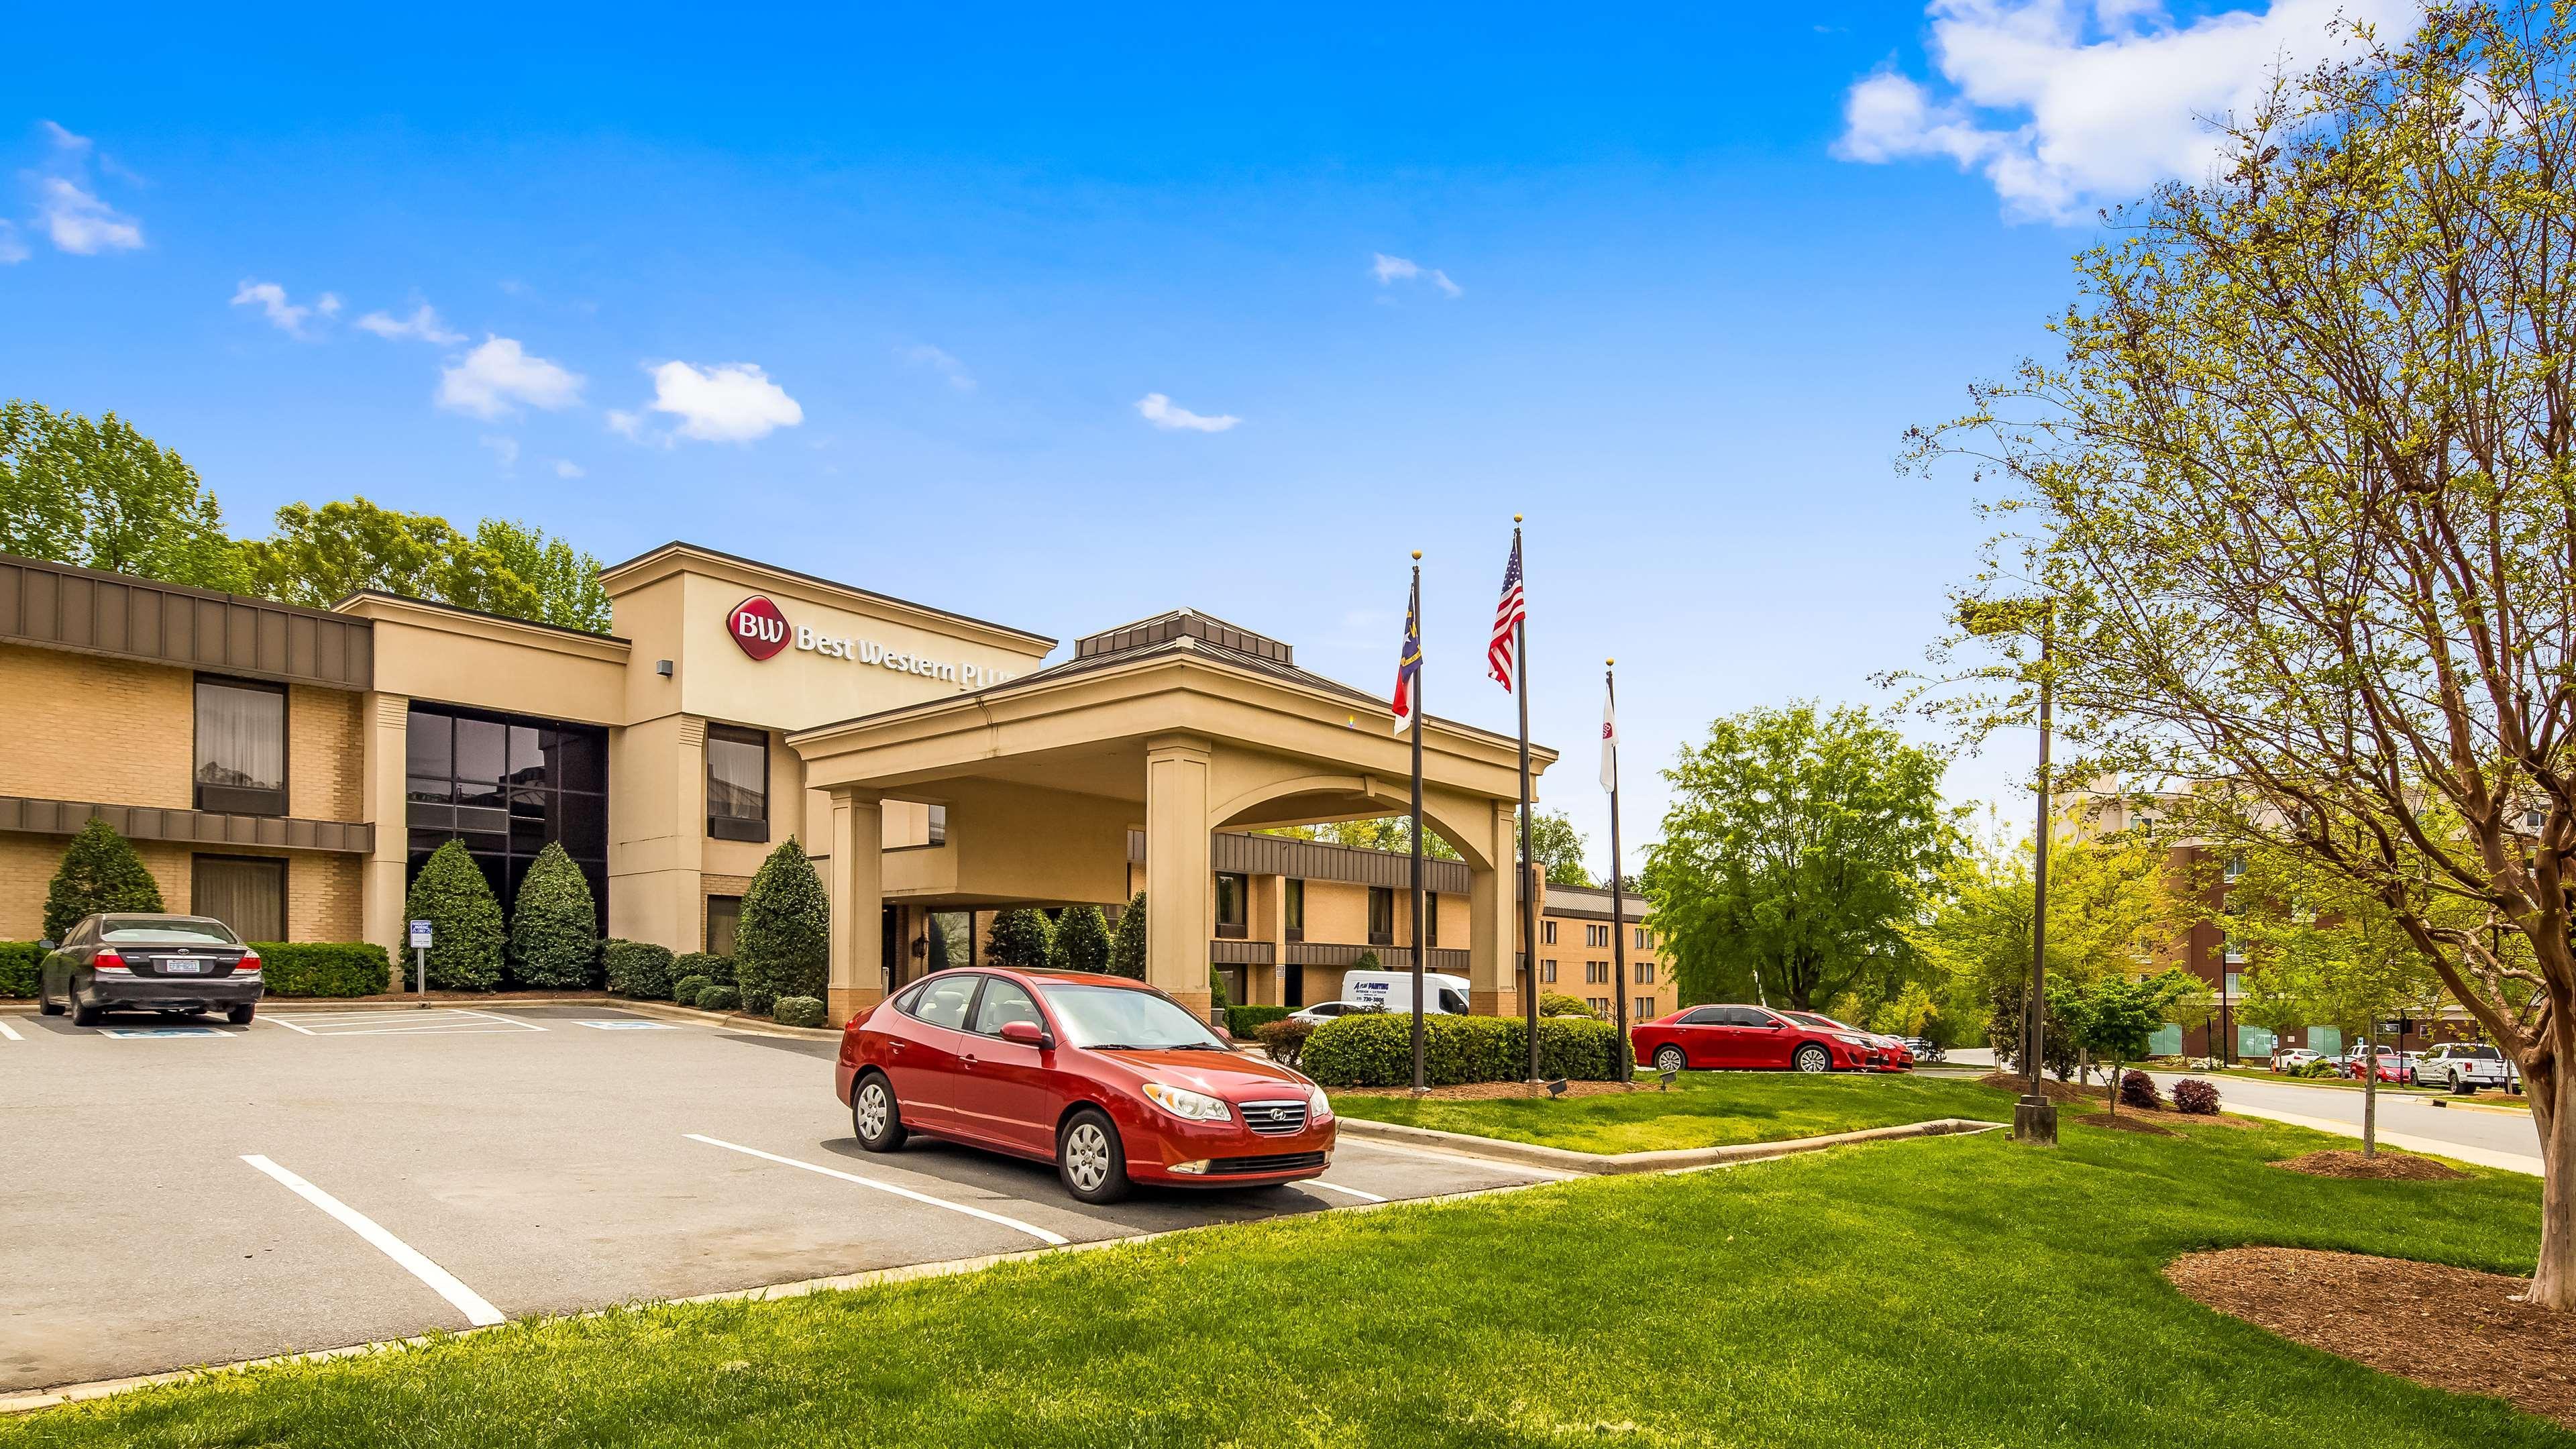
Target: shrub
pixel 783 947
pixel 1020 940
pixel 1375 1049
pixel 19 962
pixel 639 969
pixel 323 968
pixel 1127 943
pixel 2195 1097
pixel 2137 1089
pixel 1081 940
pixel 720 998
pixel 1285 1040
pixel 1217 1001
pixel 100 872
pixel 1551 1003
pixel 798 1011
pixel 1365 961
pixel 1247 1021
pixel 554 925
pixel 688 989
pixel 464 920
pixel 718 969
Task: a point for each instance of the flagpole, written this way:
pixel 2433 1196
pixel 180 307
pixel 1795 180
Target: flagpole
pixel 1419 1085
pixel 1623 1066
pixel 1529 820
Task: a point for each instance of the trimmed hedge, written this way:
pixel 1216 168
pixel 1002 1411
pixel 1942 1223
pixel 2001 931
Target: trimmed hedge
pixel 1247 1021
pixel 466 939
pixel 1553 1004
pixel 1127 943
pixel 1285 1040
pixel 782 947
pixel 798 1011
pixel 19 962
pixel 554 926
pixel 1375 1049
pixel 720 998
pixel 1081 941
pixel 718 969
pixel 688 989
pixel 100 872
pixel 1020 939
pixel 323 968
pixel 639 969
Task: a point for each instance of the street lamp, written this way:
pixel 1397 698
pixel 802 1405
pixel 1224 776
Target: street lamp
pixel 2034 1116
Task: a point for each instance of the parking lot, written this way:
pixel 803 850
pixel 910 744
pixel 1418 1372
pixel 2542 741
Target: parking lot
pixel 185 1194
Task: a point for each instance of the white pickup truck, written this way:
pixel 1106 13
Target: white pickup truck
pixel 2465 1066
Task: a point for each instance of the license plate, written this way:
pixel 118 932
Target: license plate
pixel 181 966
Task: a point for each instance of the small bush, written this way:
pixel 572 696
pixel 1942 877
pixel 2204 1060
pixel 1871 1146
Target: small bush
pixel 323 968
pixel 718 969
pixel 1551 1003
pixel 2137 1089
pixel 1375 1049
pixel 1217 1001
pixel 1020 939
pixel 19 963
pixel 465 921
pixel 1127 943
pixel 100 872
pixel 783 947
pixel 2195 1097
pixel 1247 1021
pixel 688 989
pixel 1081 940
pixel 720 998
pixel 1285 1040
pixel 554 925
pixel 798 1011
pixel 640 969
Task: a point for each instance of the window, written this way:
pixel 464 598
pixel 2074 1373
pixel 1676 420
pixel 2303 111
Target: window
pixel 247 893
pixel 1600 1004
pixel 1430 920
pixel 737 783
pixel 1643 1009
pixel 939 825
pixel 1004 1002
pixel 1645 939
pixel 2235 984
pixel 1381 922
pixel 1706 1016
pixel 1547 971
pixel 1595 972
pixel 508 787
pixel 1230 891
pixel 724 919
pixel 944 1000
pixel 1295 906
pixel 241 747
pixel 1645 973
pixel 1547 933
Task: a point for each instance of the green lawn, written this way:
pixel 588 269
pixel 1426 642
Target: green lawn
pixel 1705 1109
pixel 1955 1291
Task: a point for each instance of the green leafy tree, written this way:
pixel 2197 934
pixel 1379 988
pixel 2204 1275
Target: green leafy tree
pixel 1081 940
pixel 1019 940
pixel 2112 1017
pixel 1910 1012
pixel 318 556
pixel 566 580
pixel 102 496
pixel 466 942
pixel 783 946
pixel 1127 943
pixel 1556 845
pixel 554 925
pixel 1796 848
pixel 100 872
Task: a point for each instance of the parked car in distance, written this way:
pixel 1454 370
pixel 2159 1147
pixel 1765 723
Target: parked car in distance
pixel 1443 993
pixel 1751 1038
pixel 1324 1011
pixel 135 962
pixel 2393 1066
pixel 1109 1079
pixel 1925 1049
pixel 1893 1054
pixel 2465 1066
pixel 2290 1059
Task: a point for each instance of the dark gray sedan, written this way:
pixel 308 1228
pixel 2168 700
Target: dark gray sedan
pixel 148 963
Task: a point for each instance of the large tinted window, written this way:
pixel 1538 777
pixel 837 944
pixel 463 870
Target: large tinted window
pixel 241 747
pixel 737 783
pixel 508 786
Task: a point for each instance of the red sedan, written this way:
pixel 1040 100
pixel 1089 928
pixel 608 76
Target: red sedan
pixel 1893 1055
pixel 1751 1038
pixel 1109 1079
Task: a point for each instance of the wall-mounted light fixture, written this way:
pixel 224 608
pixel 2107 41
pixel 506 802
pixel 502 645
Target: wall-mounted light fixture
pixel 662 667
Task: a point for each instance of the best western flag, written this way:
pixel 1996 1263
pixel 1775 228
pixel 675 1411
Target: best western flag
pixel 1609 737
pixel 1409 664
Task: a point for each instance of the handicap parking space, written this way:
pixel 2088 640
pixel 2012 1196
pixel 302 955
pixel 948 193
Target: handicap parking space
pixel 347 1175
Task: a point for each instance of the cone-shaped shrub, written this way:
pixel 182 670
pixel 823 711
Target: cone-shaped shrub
pixel 100 872
pixel 1127 946
pixel 554 927
pixel 465 937
pixel 1081 940
pixel 1019 940
pixel 783 947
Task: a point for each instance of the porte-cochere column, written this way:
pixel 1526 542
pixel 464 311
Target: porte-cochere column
pixel 1177 868
pixel 857 888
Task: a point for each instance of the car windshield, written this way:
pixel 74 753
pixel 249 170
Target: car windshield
pixel 1813 1019
pixel 165 931
pixel 1122 1018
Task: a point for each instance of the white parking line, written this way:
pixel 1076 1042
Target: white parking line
pixel 10 1032
pixel 1457 1159
pixel 436 1021
pixel 1041 1234
pixel 1337 1187
pixel 477 1312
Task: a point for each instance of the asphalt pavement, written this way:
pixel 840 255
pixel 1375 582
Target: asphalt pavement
pixel 2505 1138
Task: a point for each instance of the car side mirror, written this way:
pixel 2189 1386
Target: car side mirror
pixel 1028 1033
pixel 49 945
pixel 1773 1025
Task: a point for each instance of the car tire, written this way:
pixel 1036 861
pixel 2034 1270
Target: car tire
pixel 1090 1158
pixel 237 1015
pixel 876 1118
pixel 86 1015
pixel 46 1005
pixel 1813 1058
pixel 1670 1059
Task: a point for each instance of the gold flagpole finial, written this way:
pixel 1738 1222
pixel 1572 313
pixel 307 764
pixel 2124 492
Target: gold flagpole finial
pixel 1613 663
pixel 1516 518
pixel 1417 555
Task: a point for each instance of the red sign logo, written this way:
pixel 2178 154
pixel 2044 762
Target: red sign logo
pixel 757 626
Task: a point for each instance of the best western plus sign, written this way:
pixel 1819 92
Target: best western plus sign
pixel 762 631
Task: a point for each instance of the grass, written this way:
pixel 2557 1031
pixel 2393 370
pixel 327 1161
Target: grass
pixel 1944 1292
pixel 1705 1109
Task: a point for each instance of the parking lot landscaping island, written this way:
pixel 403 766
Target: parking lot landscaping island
pixel 1943 1291
pixel 1703 1109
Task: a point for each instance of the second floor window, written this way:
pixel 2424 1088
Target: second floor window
pixel 737 783
pixel 1547 971
pixel 1645 939
pixel 1547 933
pixel 241 748
pixel 1229 906
pixel 1430 920
pixel 1645 973
pixel 1381 925
pixel 1294 906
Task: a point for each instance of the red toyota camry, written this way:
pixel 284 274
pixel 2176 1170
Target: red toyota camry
pixel 1754 1038
pixel 1109 1079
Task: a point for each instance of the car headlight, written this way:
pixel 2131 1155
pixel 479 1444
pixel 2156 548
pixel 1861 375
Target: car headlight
pixel 1322 1106
pixel 1187 1105
pixel 1847 1039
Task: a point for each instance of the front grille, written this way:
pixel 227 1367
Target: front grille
pixel 1275 1119
pixel 1277 1162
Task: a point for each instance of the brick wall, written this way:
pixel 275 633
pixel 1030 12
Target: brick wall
pixel 87 728
pixel 325 753
pixel 322 891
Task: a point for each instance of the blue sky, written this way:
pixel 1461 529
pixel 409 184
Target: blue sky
pixel 906 286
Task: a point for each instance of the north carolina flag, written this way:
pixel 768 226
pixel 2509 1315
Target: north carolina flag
pixel 1409 664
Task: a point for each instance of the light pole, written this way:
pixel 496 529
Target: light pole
pixel 2034 1116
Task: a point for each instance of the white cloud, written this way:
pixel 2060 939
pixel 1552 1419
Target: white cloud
pixel 494 378
pixel 1158 410
pixel 939 361
pixel 80 223
pixel 423 323
pixel 1390 270
pixel 626 424
pixel 12 250
pixel 729 402
pixel 567 468
pixel 505 449
pixel 287 317
pixel 63 139
pixel 2062 105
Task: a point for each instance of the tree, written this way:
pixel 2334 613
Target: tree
pixel 100 872
pixel 1127 943
pixel 319 556
pixel 1019 940
pixel 1910 1012
pixel 465 937
pixel 2301 488
pixel 554 925
pixel 1796 847
pixel 1081 940
pixel 1390 833
pixel 2112 1017
pixel 102 496
pixel 1557 846
pixel 783 946
pixel 566 581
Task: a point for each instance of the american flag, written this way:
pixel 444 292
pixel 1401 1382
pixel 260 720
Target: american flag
pixel 1409 664
pixel 1510 612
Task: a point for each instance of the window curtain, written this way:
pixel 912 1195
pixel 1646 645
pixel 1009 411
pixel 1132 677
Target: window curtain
pixel 245 894
pixel 241 737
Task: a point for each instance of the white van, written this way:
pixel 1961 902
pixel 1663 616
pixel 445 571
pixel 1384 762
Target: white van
pixel 1393 991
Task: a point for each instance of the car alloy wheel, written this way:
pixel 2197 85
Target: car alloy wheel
pixel 1670 1059
pixel 1090 1159
pixel 874 1116
pixel 1813 1058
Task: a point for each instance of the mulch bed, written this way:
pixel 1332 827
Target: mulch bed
pixel 2387 1165
pixel 2374 1311
pixel 1485 1091
pixel 2130 1119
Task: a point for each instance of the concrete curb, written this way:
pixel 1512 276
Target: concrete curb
pixel 2459 1106
pixel 1601 1164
